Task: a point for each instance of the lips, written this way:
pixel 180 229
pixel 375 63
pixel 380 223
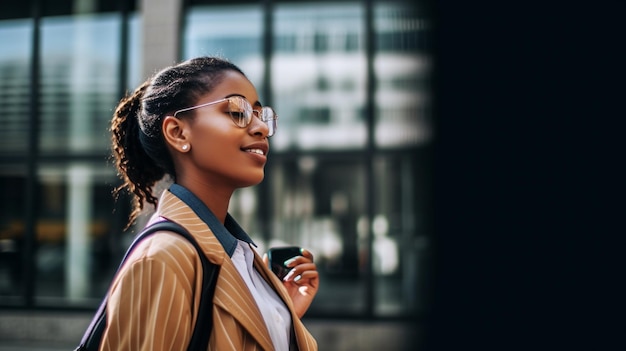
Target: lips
pixel 257 148
pixel 255 151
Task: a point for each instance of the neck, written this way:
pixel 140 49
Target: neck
pixel 215 198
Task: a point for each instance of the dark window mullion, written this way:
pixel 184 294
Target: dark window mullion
pixel 124 42
pixel 30 199
pixel 268 44
pixel 370 109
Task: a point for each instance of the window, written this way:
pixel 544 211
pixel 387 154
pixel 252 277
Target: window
pixel 402 67
pixel 234 32
pixel 15 77
pixel 60 238
pixel 325 71
pixel 318 203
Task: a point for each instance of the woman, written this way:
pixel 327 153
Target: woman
pixel 200 122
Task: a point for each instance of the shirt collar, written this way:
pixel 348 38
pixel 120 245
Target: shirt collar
pixel 227 233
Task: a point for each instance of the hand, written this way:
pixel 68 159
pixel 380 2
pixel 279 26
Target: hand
pixel 301 282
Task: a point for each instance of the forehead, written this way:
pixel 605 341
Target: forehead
pixel 232 83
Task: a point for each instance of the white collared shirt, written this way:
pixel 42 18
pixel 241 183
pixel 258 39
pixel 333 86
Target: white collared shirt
pixel 275 313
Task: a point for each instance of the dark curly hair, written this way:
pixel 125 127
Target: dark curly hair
pixel 139 150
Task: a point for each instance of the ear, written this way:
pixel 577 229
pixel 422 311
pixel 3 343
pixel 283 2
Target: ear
pixel 176 133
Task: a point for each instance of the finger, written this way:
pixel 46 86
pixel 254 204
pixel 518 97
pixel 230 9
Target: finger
pixel 305 277
pixel 302 267
pixel 306 269
pixel 309 275
pixel 289 276
pixel 265 259
pixel 308 254
pixel 308 281
pixel 298 260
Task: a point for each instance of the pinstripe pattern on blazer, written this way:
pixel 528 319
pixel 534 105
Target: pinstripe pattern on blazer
pixel 153 300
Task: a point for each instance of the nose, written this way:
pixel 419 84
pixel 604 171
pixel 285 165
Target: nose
pixel 257 126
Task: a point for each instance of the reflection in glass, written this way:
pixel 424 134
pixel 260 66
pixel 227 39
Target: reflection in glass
pixel 79 83
pixel 78 88
pixel 385 255
pixel 400 228
pixel 15 78
pixel 134 77
pixel 233 32
pixel 400 231
pixel 74 261
pixel 402 68
pixel 318 75
pixel 15 53
pixel 318 206
pixel 12 229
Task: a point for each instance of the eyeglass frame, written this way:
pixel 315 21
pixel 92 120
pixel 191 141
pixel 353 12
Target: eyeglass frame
pixel 259 114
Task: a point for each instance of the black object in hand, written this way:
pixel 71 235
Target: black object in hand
pixel 277 257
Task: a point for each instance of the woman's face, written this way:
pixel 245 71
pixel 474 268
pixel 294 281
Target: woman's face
pixel 222 153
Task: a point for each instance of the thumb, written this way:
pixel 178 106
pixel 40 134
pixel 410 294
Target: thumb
pixel 265 259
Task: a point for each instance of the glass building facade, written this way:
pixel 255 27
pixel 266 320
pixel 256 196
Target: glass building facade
pixel 349 172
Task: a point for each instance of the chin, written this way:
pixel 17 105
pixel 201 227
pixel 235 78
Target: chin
pixel 252 181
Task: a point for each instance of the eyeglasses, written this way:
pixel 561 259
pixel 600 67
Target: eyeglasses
pixel 241 112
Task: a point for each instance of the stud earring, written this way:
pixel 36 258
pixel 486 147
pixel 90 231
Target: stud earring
pixel 185 147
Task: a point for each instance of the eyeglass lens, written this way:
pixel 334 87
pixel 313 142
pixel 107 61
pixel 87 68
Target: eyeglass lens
pixel 269 117
pixel 241 112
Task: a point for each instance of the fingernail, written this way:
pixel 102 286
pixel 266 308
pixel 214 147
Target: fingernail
pixel 289 275
pixel 289 261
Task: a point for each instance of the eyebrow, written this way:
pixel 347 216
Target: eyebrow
pixel 257 103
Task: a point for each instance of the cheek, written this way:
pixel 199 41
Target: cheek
pixel 215 143
pixel 213 131
pixel 214 146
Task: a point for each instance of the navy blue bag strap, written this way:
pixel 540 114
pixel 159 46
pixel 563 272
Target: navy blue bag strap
pixel 202 330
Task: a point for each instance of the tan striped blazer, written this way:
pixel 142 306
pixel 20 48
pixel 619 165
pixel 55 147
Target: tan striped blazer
pixel 153 299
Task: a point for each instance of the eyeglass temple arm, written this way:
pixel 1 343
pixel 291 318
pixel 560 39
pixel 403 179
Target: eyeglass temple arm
pixel 198 106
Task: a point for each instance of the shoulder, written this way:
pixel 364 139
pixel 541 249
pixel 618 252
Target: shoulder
pixel 167 248
pixel 164 263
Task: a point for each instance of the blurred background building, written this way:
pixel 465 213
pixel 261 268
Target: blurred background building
pixel 348 176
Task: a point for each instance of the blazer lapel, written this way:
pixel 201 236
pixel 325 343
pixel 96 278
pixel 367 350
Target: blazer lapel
pixel 231 293
pixel 234 297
